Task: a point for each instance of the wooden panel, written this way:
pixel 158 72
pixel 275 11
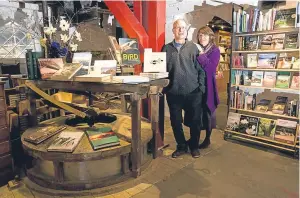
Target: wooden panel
pixel 4 134
pixel 5 161
pixel 2 104
pixel 3 119
pixel 1 89
pixel 4 148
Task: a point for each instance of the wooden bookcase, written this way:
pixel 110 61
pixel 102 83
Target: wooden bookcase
pixel 263 92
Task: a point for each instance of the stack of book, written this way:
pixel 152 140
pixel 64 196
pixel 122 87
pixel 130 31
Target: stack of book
pixel 104 137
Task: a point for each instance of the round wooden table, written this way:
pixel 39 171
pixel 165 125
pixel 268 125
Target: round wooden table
pixel 85 168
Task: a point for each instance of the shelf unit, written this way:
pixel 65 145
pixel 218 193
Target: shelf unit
pixel 262 140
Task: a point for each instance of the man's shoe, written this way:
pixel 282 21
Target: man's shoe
pixel 204 144
pixel 195 153
pixel 179 151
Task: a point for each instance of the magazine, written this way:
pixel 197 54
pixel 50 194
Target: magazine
pixel 129 51
pixel 277 41
pixel 248 125
pixel 251 60
pixel 233 121
pixel 263 105
pixel 266 128
pixel 283 80
pixel 154 61
pixel 269 79
pixel 285 18
pixel 279 105
pixel 257 78
pixel 285 131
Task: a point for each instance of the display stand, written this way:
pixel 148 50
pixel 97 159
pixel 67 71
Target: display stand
pixel 265 92
pixel 133 148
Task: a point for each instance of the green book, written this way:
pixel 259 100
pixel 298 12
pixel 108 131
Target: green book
pixel 102 138
pixel 35 57
pixel 29 63
pixel 283 80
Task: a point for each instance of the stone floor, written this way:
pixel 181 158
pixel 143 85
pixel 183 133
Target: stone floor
pixel 226 169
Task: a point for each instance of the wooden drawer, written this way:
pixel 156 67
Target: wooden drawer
pixel 2 104
pixel 4 134
pixel 5 161
pixel 4 148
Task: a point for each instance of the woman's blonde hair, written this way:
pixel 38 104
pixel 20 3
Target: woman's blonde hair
pixel 207 31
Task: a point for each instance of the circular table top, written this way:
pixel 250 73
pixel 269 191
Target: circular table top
pixel 84 150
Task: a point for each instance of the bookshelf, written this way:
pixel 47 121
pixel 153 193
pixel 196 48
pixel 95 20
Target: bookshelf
pixel 249 89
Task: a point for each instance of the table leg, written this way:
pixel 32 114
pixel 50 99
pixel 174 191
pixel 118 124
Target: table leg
pixel 123 103
pixel 136 154
pixel 32 108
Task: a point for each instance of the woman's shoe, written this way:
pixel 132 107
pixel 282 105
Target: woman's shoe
pixel 204 144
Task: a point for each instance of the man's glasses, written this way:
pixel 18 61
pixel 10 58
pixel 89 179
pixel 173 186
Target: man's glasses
pixel 178 28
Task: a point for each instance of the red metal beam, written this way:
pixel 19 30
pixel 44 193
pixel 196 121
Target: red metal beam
pixel 128 21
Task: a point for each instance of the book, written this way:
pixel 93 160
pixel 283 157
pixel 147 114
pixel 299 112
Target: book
pixel 129 51
pixel 266 128
pixel 285 61
pixel 84 58
pixel 233 121
pixel 251 60
pixel 49 66
pixel 285 131
pixel 29 64
pixel 66 141
pixel 250 42
pixel 277 41
pixel 269 79
pixel 285 18
pixel 43 134
pixel 291 41
pixel 154 61
pixel 116 48
pixel 295 81
pixel 130 79
pixel 266 42
pixel 105 67
pixel 100 138
pixel 266 60
pixel 93 77
pixel 247 77
pixel 279 105
pixel 283 80
pixel 296 63
pixel 263 105
pixel 257 78
pixel 248 125
pixel 156 75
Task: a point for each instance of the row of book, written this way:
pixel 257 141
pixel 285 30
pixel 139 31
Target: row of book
pixel 280 79
pixel 279 130
pixel 67 141
pixel 242 100
pixel 267 61
pixel 262 20
pixel 267 42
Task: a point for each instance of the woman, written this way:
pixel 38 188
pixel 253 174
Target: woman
pixel 208 58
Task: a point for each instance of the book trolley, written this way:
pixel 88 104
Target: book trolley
pixel 263 106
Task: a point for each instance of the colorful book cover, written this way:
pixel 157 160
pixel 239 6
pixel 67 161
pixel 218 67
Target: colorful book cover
pixel 285 61
pixel 295 81
pixel 247 77
pixel 233 77
pixel 266 42
pixel 251 60
pixel 50 66
pixel 257 78
pixel 248 125
pixel 105 67
pixel 263 105
pixel 269 79
pixel 250 42
pixel 100 138
pixel 233 121
pixel 277 41
pixel 66 141
pixel 116 48
pixel 285 131
pixel 296 63
pixel 266 128
pixel 291 41
pixel 283 80
pixel 279 104
pixel 129 51
pixel 267 60
pixel 285 18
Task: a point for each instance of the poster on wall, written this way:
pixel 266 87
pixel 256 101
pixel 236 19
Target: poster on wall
pixel 130 51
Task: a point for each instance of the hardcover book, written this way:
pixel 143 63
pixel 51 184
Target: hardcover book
pixel 266 128
pixel 267 60
pixel 247 77
pixel 257 78
pixel 285 61
pixel 283 80
pixel 285 18
pixel 154 61
pixel 263 105
pixel 266 42
pixel 66 141
pixel 84 58
pixel 295 81
pixel 105 67
pixel 233 121
pixel 285 131
pixel 277 41
pixel 251 42
pixel 100 138
pixel 251 60
pixel 248 125
pixel 116 48
pixel 43 134
pixel 269 79
pixel 279 105
pixel 291 41
pixel 129 51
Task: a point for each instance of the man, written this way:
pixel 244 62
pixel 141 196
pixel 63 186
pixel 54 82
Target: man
pixel 185 90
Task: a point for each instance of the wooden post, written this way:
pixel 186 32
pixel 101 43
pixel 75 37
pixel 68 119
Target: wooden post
pixel 154 98
pixel 59 171
pixel 136 154
pixel 123 104
pixel 32 108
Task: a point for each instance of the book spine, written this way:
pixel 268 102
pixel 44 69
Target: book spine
pixel 29 63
